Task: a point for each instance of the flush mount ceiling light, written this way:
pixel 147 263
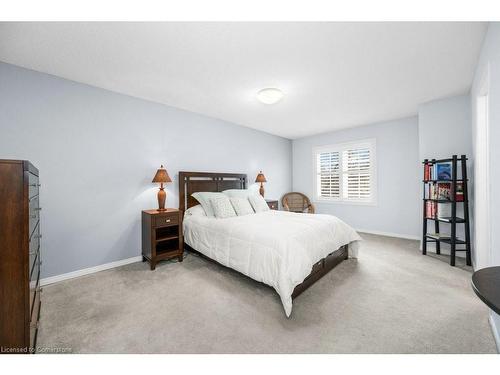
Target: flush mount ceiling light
pixel 270 95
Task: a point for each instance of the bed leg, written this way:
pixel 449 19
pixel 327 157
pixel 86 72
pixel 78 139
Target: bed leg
pixel 346 252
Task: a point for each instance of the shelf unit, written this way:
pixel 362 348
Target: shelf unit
pixel 453 220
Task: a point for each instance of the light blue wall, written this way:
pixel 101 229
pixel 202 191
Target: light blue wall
pixel 490 56
pixel 398 203
pixel 444 128
pixel 97 152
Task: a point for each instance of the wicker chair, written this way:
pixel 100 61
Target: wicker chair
pixel 297 202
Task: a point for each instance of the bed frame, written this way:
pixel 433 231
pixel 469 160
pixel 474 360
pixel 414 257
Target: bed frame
pixel 192 182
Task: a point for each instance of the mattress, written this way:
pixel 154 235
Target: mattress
pixel 277 248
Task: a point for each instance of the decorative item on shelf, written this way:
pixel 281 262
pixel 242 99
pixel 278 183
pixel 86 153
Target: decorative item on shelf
pixel 443 210
pixel 459 193
pixel 161 177
pixel 443 171
pixel 261 178
pixel 444 191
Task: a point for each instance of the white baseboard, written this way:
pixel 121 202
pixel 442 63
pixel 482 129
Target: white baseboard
pixel 496 334
pixel 88 271
pixel 388 234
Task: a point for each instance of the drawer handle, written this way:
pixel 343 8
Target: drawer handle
pixel 167 221
pixel 38 209
pixel 33 216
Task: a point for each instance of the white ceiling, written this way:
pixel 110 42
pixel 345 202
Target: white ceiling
pixel 335 75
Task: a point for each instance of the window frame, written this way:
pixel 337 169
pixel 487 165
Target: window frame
pixel 369 143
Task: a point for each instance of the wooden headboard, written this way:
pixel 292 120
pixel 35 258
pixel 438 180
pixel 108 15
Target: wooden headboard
pixel 192 182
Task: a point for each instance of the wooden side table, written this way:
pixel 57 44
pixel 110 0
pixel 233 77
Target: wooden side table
pixel 272 203
pixel 162 236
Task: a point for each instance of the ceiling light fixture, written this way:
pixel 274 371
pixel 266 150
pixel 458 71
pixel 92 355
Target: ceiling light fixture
pixel 270 95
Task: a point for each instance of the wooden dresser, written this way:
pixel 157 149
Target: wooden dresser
pixel 20 257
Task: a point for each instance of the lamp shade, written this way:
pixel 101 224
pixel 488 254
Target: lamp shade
pixel 260 177
pixel 161 175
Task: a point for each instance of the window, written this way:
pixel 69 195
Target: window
pixel 346 172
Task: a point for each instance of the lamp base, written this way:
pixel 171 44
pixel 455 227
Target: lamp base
pixel 162 198
pixel 261 190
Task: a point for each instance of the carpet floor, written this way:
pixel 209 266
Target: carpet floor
pixel 390 300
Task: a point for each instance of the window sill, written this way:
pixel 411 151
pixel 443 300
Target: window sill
pixel 353 203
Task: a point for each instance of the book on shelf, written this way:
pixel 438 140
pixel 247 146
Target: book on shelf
pixel 430 210
pixel 430 191
pixel 435 210
pixel 442 191
pixel 443 210
pixel 427 172
pixel 438 171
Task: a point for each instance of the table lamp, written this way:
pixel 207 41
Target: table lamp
pixel 161 176
pixel 261 178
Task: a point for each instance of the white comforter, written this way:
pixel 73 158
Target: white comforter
pixel 277 248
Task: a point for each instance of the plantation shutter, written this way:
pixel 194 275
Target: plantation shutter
pixel 328 170
pixel 356 176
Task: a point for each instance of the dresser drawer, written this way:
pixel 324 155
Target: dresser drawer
pixel 33 184
pixel 35 306
pixel 166 220
pixel 33 336
pixel 35 272
pixel 34 248
pixel 34 286
pixel 35 315
pixel 34 210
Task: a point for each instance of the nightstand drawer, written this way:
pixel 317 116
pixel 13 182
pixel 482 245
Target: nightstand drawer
pixel 166 221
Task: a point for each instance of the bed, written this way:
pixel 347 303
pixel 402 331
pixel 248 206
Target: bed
pixel 285 250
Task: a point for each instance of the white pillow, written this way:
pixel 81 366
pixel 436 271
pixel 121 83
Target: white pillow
pixel 222 207
pixel 239 193
pixel 204 198
pixel 241 206
pixel 195 211
pixel 258 203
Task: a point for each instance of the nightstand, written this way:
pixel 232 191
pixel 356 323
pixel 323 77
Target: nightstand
pixel 272 203
pixel 162 235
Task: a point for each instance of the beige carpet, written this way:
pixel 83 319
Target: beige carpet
pixel 391 300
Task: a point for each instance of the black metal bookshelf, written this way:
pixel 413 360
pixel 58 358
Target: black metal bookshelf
pixel 453 220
